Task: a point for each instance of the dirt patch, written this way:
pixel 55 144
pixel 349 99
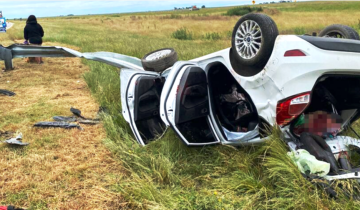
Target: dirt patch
pixel 60 169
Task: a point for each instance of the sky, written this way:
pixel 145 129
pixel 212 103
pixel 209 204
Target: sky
pixel 22 9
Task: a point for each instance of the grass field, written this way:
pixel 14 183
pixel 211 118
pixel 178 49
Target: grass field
pixel 118 173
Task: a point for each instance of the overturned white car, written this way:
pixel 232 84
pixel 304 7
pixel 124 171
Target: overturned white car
pixel 233 96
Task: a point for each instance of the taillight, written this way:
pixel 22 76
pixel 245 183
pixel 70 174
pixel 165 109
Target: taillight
pixel 291 108
pixel 294 53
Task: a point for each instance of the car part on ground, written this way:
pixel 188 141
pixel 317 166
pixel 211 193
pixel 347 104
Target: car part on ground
pixel 77 112
pixel 74 119
pixel 81 119
pixel 339 31
pixel 7 93
pixel 159 60
pixel 64 119
pixel 16 141
pixel 253 40
pixel 57 125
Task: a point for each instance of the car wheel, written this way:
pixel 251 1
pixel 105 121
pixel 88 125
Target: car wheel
pixel 159 60
pixel 252 43
pixel 339 31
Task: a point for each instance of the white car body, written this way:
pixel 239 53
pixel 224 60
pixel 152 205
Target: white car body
pixel 282 77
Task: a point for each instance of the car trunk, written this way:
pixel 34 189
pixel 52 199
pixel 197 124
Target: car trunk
pixel 333 94
pixel 336 94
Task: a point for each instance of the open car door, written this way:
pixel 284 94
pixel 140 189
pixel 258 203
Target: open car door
pixel 187 107
pixel 140 98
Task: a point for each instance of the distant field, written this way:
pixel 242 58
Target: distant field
pixel 166 174
pixel 124 33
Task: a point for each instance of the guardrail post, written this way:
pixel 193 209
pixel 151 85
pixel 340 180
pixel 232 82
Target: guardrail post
pixel 6 56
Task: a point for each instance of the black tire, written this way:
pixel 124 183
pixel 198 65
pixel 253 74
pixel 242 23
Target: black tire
pixel 161 63
pixel 269 32
pixel 339 31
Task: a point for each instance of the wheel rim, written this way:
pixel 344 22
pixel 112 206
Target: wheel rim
pixel 248 39
pixel 335 34
pixel 157 55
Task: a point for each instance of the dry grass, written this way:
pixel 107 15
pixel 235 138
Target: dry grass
pixel 61 169
pixel 163 26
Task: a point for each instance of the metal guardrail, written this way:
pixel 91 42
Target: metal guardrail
pixel 7 54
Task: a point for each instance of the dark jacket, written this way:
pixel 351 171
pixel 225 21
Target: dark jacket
pixel 33 32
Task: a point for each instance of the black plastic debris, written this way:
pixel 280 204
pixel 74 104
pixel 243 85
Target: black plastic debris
pixel 82 119
pixel 6 92
pixel 16 141
pixel 77 112
pixel 65 125
pixel 64 119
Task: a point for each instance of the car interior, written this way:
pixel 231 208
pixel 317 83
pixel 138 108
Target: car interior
pixel 147 102
pixel 336 94
pixel 191 116
pixel 233 107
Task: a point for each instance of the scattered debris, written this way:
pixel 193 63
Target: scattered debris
pixel 6 92
pixel 57 125
pixel 83 119
pixel 77 113
pixel 77 118
pixel 68 122
pixel 16 141
pixel 64 119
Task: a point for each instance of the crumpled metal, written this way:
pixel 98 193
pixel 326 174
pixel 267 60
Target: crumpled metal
pixel 16 141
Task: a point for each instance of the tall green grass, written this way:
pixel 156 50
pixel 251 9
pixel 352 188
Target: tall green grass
pixel 212 36
pixel 182 34
pixel 239 11
pixel 300 31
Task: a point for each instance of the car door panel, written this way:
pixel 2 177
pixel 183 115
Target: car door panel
pixel 140 96
pixel 187 108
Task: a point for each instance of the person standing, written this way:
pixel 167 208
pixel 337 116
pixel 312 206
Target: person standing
pixel 33 34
